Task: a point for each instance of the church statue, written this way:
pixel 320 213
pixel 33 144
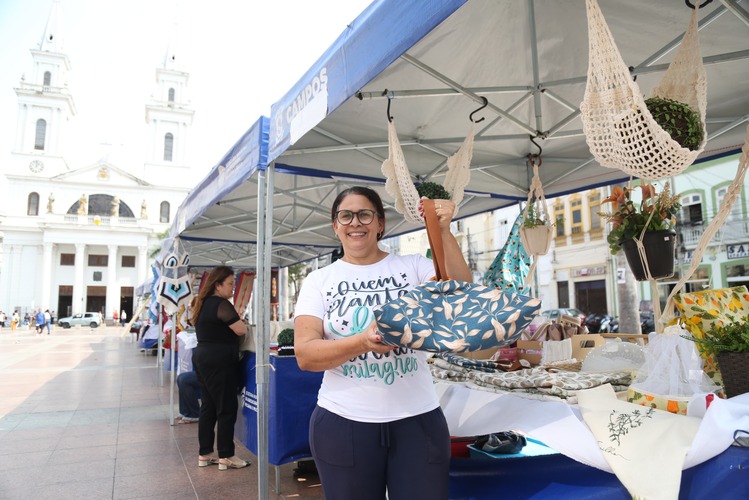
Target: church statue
pixel 143 212
pixel 51 203
pixel 82 205
pixel 115 210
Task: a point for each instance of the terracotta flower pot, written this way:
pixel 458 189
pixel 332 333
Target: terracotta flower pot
pixel 659 251
pixel 537 239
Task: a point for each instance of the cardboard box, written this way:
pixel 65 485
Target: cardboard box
pixel 583 344
pixel 530 350
pixel 483 354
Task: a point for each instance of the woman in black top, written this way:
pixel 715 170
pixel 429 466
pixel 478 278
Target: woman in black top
pixel 216 362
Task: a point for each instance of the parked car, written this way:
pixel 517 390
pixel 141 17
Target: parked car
pixel 553 314
pixel 92 319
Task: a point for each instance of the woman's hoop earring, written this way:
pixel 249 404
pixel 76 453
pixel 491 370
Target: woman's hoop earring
pixel 379 235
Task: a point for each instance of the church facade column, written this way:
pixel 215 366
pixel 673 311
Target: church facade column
pixel 142 265
pixel 79 294
pixel 46 297
pixel 113 290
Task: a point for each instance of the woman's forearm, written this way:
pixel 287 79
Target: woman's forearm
pixel 455 263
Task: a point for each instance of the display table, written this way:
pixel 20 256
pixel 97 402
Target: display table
pixel 292 395
pixel 559 477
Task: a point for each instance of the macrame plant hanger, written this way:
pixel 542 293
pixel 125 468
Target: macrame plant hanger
pixel 536 201
pixel 734 191
pixel 619 129
pixel 399 184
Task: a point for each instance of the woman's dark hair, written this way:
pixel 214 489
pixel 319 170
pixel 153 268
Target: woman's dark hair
pixel 368 193
pixel 215 277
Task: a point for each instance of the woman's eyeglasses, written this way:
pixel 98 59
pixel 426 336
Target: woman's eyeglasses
pixel 346 217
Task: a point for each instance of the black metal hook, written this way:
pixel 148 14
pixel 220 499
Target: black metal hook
pixel 540 149
pixel 390 98
pixel 691 5
pixel 486 103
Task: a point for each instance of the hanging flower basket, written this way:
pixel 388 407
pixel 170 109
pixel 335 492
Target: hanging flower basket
pixel 537 239
pixel 659 251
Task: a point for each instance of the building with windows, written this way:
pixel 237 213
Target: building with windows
pixel 77 237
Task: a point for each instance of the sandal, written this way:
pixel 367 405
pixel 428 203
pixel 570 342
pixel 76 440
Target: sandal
pixel 206 461
pixel 231 463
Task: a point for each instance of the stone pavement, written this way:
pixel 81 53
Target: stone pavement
pixel 83 415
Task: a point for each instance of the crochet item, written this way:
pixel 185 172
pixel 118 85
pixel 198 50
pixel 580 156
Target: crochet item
pixel 619 129
pixel 400 186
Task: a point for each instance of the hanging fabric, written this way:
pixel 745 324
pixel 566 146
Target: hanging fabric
pixel 243 291
pixel 536 205
pixel 511 265
pixel 619 129
pixel 174 287
pixel 400 186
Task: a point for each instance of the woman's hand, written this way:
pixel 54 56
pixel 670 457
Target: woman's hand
pixel 445 210
pixel 372 340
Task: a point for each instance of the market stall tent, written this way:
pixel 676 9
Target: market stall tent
pixel 431 63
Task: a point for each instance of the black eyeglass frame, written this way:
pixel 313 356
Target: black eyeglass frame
pixel 355 214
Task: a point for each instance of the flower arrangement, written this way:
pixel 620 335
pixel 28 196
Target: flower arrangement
pixel 656 212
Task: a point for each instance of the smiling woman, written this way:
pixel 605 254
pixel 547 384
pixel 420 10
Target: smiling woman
pixel 370 388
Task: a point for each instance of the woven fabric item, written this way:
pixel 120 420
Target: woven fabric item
pixel 619 129
pixel 399 184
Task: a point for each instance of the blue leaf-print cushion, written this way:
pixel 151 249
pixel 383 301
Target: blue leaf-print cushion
pixel 455 316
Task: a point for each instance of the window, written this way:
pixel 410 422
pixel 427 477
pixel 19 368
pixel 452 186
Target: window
pixel 594 206
pixel 168 146
pixel 97 275
pixel 32 207
pixel 47 78
pixel 67 259
pixel 128 261
pixel 41 134
pixel 171 95
pixel 559 214
pixel 164 212
pixel 576 209
pixel 691 209
pixel 98 260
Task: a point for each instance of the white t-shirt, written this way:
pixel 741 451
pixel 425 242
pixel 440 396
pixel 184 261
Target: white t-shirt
pixel 370 387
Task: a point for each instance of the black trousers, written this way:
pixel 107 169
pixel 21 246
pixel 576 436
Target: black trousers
pixel 217 366
pixel 410 458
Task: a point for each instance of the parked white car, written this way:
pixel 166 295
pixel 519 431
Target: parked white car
pixel 92 319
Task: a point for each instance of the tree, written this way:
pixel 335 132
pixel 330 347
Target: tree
pixel 297 273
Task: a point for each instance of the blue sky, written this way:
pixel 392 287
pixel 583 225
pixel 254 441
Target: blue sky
pixel 242 55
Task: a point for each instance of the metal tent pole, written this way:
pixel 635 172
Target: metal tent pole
pixel 261 359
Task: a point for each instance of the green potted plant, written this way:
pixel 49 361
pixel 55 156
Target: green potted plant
pixel 680 121
pixel 729 344
pixel 285 341
pixel 433 191
pixel 654 217
pixel 536 231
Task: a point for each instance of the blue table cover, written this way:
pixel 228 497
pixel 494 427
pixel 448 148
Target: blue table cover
pixel 292 395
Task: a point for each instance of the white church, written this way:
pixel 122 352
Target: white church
pixel 77 237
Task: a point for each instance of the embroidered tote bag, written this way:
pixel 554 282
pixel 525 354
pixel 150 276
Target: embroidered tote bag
pixel 450 315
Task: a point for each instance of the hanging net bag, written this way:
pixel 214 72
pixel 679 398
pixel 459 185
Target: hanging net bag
pixel 537 231
pixel 401 187
pixel 619 129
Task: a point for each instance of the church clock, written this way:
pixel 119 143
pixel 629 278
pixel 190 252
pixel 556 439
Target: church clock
pixel 36 166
